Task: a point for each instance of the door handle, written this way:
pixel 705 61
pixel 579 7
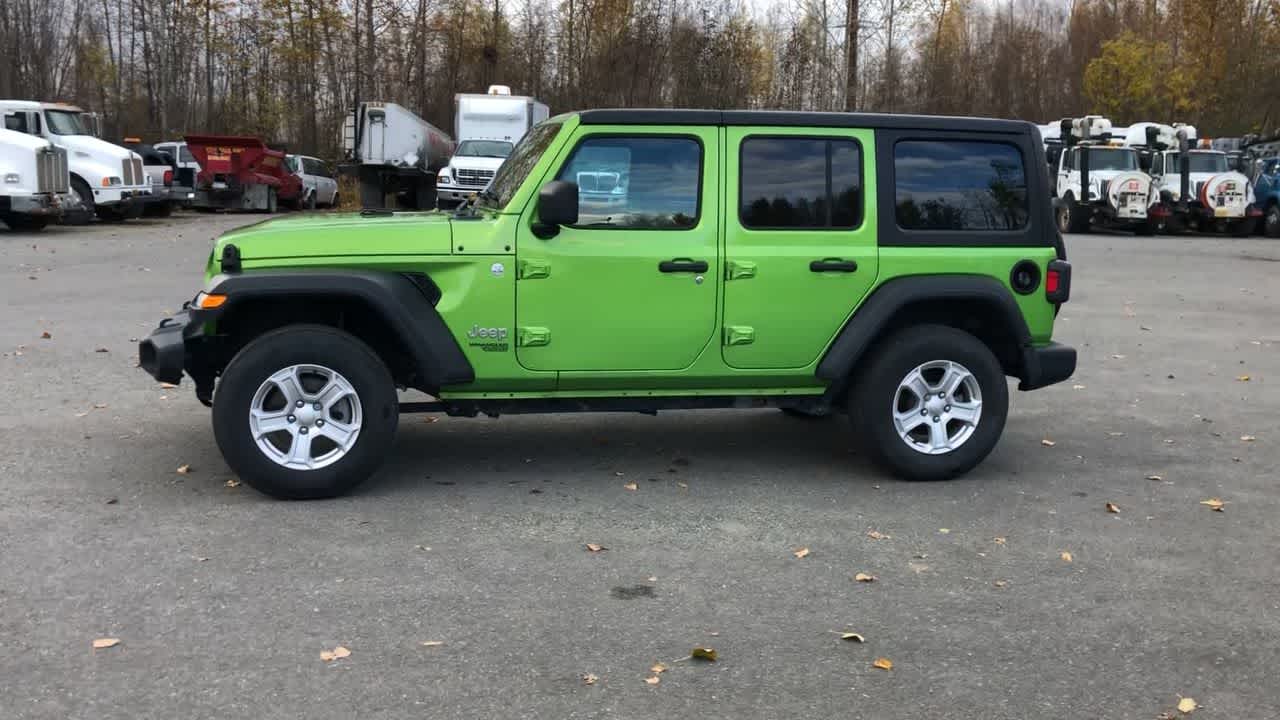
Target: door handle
pixel 683 265
pixel 833 265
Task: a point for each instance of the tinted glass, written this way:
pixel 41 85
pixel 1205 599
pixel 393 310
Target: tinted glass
pixel 1201 162
pixel 64 122
pixel 1113 159
pixel 957 185
pixel 523 157
pixel 187 157
pixel 786 183
pixel 483 148
pixel 636 182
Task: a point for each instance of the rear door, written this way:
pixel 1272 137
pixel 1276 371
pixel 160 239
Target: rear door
pixel 800 241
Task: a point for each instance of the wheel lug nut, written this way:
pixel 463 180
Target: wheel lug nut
pixel 319 423
pixel 947 408
pixel 291 418
pixel 924 411
pixel 303 429
pixel 316 406
pixel 935 419
pixel 299 403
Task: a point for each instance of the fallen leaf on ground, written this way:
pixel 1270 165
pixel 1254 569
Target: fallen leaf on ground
pixel 883 663
pixel 167 385
pixel 102 350
pixel 1077 387
pixel 703 653
pixel 917 567
pixel 1067 556
pixel 589 678
pixel 1187 705
pixel 99 406
pixel 801 553
pixel 1000 540
pixel 852 637
pixel 658 669
pixel 45 335
pixel 629 486
pixel 232 483
pixel 1047 442
pixel 102 643
pixel 1118 357
pixel 864 577
pixel 432 418
pixel 184 469
pixel 1000 583
pixel 1113 508
pixel 595 547
pixel 877 535
pixel 1214 504
pixel 1248 438
pixel 432 643
pixel 1242 378
pixel 335 654
pixel 653 680
pixel 1156 478
pixel 944 531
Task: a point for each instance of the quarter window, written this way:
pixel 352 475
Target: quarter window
pixel 960 185
pixel 793 182
pixel 636 182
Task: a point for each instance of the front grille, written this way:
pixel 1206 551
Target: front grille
pixel 598 181
pixel 139 176
pixel 126 167
pixel 51 170
pixel 475 178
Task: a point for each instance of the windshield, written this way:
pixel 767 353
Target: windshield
pixel 523 157
pixel 64 122
pixel 483 148
pixel 1201 162
pixel 1112 159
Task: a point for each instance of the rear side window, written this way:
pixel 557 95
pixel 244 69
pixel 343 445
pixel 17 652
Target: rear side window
pixel 794 182
pixel 638 183
pixel 960 185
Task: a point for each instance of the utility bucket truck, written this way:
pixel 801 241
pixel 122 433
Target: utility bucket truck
pixel 1100 181
pixel 395 154
pixel 1200 189
pixel 488 126
pixel 107 179
pixel 34 182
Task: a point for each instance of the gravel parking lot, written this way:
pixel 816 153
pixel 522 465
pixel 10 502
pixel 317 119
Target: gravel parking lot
pixel 1010 593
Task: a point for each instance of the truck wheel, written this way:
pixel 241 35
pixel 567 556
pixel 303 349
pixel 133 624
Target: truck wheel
pixel 24 223
pixel 1271 221
pixel 1146 228
pixel 1243 228
pixel 272 203
pixel 305 411
pixel 83 214
pixel 930 404
pixel 1077 216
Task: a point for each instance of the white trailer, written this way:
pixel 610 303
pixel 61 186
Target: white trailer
pixel 487 126
pixel 394 152
pixel 34 182
pixel 108 180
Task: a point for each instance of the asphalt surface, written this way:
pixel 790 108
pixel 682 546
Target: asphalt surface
pixel 473 534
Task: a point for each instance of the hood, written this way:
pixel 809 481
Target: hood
pixel 476 163
pixel 341 235
pixel 100 149
pixel 13 138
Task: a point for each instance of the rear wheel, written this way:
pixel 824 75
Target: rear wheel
pixel 25 223
pixel 930 404
pixel 1072 217
pixel 306 411
pixel 1243 228
pixel 1271 221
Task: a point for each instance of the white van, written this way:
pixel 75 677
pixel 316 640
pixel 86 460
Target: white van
pixel 107 178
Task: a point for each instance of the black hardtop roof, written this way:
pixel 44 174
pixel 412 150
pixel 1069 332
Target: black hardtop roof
pixel 789 118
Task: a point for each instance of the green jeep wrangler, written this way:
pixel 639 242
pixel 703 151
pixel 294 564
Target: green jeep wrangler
pixel 893 268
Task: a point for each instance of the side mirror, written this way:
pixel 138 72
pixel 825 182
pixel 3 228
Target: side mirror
pixel 557 205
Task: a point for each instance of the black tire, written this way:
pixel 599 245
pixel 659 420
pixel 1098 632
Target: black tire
pixel 1242 228
pixel 1146 228
pixel 303 345
pixel 1077 216
pixel 1271 221
pixel 110 213
pixel 82 215
pixel 19 222
pixel 873 396
pixel 273 204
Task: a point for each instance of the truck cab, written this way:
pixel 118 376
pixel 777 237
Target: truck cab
pixel 1119 193
pixel 471 168
pixel 33 181
pixel 107 179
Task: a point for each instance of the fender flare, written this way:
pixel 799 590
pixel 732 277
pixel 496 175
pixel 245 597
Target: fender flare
pixel 406 301
pixel 871 319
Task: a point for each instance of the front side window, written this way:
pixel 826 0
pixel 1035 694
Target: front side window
pixel 636 182
pixel 64 122
pixel 484 148
pixel 524 156
pixel 960 185
pixel 793 182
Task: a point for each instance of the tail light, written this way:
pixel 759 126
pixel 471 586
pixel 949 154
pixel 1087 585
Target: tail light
pixel 168 177
pixel 1057 281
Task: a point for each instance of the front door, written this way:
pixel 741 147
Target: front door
pixel 631 286
pixel 800 242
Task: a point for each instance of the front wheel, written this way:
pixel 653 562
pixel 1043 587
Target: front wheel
pixel 930 404
pixel 1242 228
pixel 306 411
pixel 24 223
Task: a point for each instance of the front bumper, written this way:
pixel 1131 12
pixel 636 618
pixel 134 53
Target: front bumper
pixel 180 345
pixel 1046 365
pixel 456 193
pixel 125 198
pixel 42 204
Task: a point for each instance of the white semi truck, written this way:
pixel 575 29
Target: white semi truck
pixel 34 183
pixel 395 154
pixel 1100 181
pixel 107 179
pixel 487 126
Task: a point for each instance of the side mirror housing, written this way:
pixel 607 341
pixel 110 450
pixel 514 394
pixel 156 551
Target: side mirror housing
pixel 557 206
